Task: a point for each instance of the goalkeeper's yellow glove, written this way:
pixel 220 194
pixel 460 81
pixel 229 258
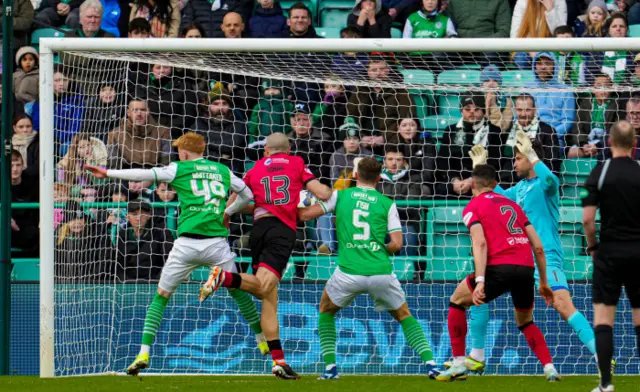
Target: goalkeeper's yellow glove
pixel 478 155
pixel 525 147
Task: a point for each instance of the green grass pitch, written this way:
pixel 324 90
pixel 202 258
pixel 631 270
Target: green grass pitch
pixel 309 384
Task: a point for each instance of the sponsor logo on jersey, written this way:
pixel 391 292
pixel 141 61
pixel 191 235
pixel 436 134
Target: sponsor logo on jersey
pixel 267 162
pixel 467 218
pixel 517 240
pixel 438 25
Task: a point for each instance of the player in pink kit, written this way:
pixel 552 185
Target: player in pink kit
pixel 276 182
pixel 502 239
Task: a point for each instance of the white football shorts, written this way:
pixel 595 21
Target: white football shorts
pixel 188 254
pixel 384 290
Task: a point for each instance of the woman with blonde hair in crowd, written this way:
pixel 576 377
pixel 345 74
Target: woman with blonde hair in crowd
pixel 84 150
pixel 536 19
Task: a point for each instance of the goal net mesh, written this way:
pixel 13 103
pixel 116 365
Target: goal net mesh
pixel 419 114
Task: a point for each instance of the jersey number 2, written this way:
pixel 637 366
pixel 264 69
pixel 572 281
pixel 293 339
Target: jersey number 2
pixel 283 189
pixel 512 219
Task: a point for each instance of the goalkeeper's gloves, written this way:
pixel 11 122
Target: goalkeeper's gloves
pixel 523 144
pixel 478 155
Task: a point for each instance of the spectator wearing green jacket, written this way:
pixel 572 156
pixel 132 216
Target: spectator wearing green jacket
pixel 272 112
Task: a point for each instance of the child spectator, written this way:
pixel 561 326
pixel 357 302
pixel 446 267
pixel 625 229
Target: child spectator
pixel 105 111
pixel 84 150
pixel 429 23
pixel 117 216
pixel 499 106
pixel 350 65
pixel 272 112
pixel 26 79
pixel 60 195
pixel 268 21
pixel 592 23
pixel 139 28
pixel 596 114
pixel 371 18
pixel 331 113
pixel 341 161
pixel 571 65
pixel 163 15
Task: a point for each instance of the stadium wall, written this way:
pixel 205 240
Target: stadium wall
pixel 212 338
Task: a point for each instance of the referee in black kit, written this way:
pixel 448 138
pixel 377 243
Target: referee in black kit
pixel 614 187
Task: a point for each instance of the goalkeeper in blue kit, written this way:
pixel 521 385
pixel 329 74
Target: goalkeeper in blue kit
pixel 538 193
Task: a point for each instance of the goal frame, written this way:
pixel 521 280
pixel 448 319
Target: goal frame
pixel 48 46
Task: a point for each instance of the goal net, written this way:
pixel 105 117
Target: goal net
pixel 418 108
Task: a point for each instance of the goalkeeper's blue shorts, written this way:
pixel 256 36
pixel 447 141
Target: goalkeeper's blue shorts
pixel 556 277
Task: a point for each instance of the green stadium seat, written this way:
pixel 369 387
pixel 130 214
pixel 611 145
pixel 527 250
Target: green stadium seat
pixel 396 33
pixel 403 268
pixel 571 234
pixel 25 269
pixel 423 98
pixel 575 171
pixel 459 77
pixel 449 105
pixel 328 32
pixel 578 268
pixel 437 124
pixel 448 268
pixel 447 235
pixel 320 267
pixel 571 192
pixel 517 78
pixel 418 76
pixel 37 34
pixel 634 30
pixel 333 13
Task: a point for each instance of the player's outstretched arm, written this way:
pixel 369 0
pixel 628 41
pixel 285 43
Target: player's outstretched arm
pixel 395 243
pixel 541 263
pixel 159 174
pixel 238 201
pixel 319 190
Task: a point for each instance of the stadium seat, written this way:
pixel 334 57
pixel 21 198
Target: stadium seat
pixel 571 234
pixel 311 4
pixel 418 76
pixel 328 32
pixel 517 78
pixel 578 268
pixel 423 98
pixel 320 267
pixel 634 30
pixel 447 235
pixel 25 269
pixel 448 268
pixel 449 105
pixel 396 33
pixel 333 13
pixel 574 174
pixel 403 268
pixel 459 77
pixel 437 124
pixel 44 33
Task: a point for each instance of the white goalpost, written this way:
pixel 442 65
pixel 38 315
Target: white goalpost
pixel 92 303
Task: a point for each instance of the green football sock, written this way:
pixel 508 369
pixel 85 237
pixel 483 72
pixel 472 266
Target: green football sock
pixel 153 319
pixel 414 335
pixel 247 309
pixel 327 332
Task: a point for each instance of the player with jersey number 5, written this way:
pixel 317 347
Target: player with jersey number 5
pixel 538 194
pixel 202 187
pixel 502 239
pixel 364 218
pixel 276 182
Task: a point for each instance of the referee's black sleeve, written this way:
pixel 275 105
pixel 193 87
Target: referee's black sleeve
pixel 590 195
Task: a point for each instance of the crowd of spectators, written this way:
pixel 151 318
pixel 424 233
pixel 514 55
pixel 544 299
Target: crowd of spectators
pixel 102 121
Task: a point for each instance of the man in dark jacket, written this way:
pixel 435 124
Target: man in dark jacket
pixel 143 245
pixel 225 134
pixel 90 18
pixel 397 182
pixel 308 143
pixel 453 165
pixel 210 14
pixel 371 18
pixel 171 99
pixel 268 21
pixel 24 223
pixel 58 13
pixel 528 121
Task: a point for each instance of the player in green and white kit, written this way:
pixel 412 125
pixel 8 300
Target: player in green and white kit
pixel 202 187
pixel 364 218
